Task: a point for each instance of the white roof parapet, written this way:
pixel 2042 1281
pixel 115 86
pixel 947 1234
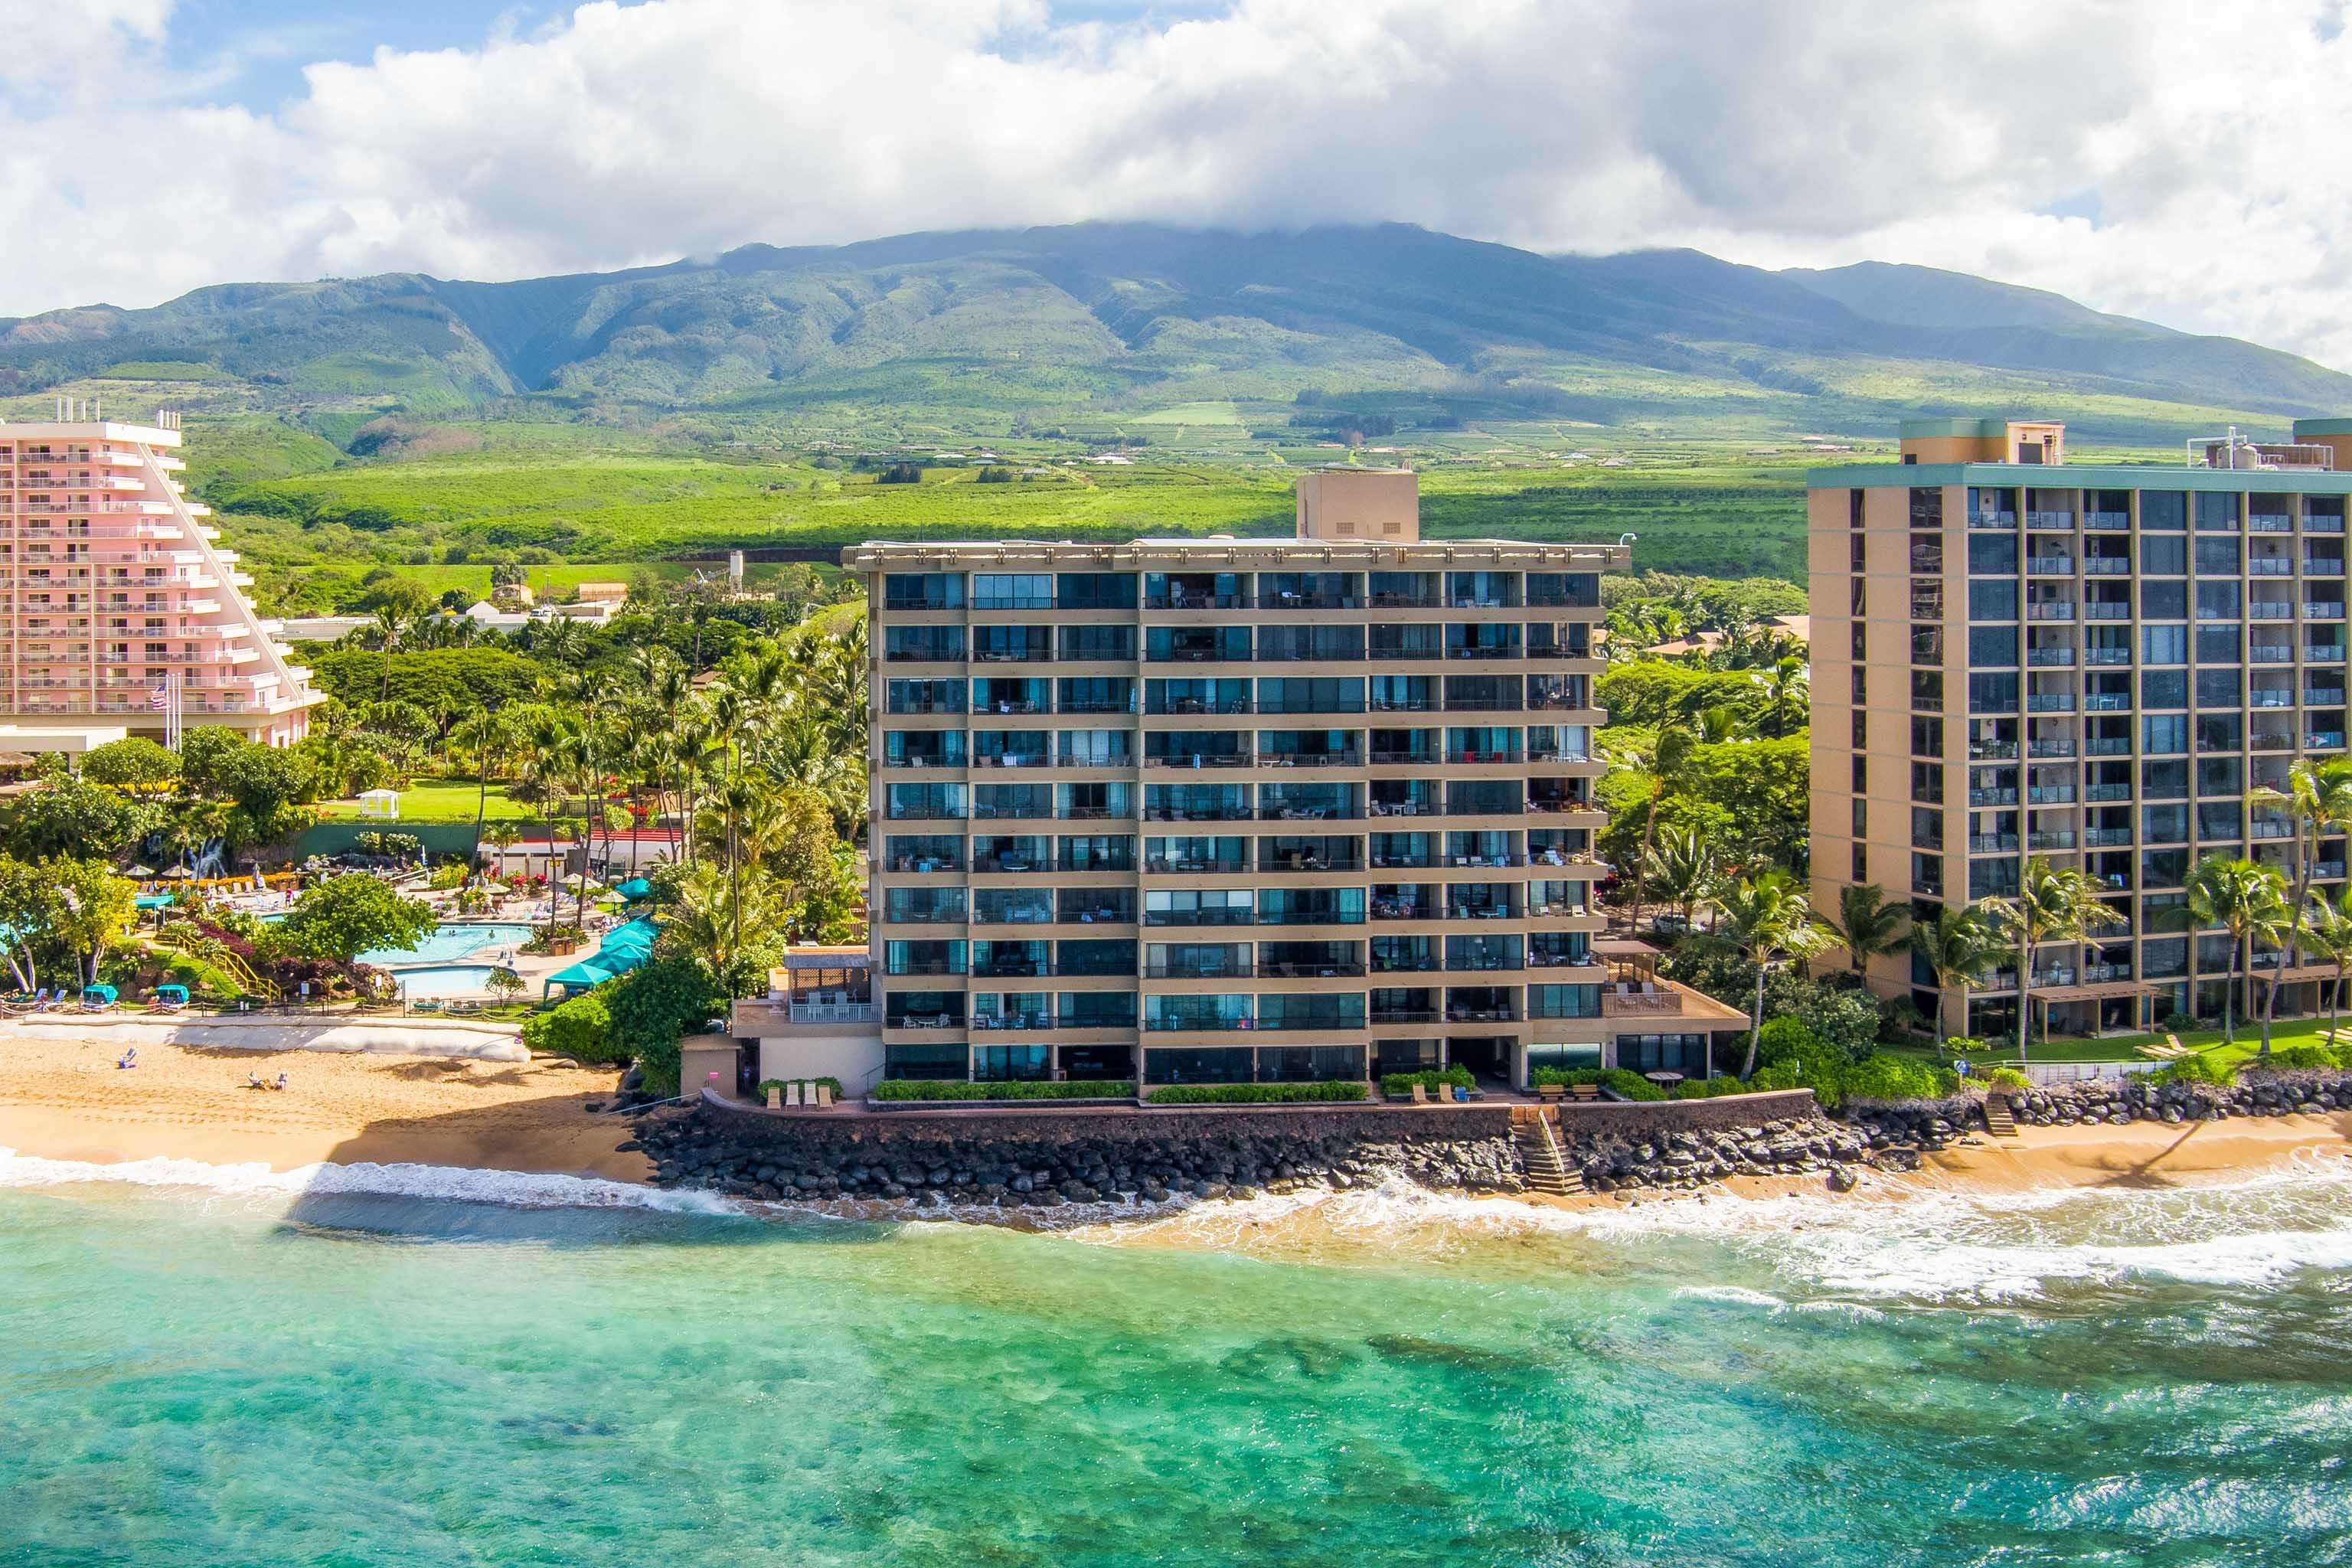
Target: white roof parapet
pixel 876 555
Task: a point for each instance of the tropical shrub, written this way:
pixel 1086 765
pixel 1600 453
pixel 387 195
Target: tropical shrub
pixel 581 1028
pixel 1886 1077
pixel 1398 1085
pixel 2008 1077
pixel 1259 1093
pixel 2204 1068
pixel 2303 1056
pixel 652 1007
pixel 1786 1039
pixel 1024 1088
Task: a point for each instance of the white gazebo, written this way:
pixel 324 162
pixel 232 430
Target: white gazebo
pixel 384 804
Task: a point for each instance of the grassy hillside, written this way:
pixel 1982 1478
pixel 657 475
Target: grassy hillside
pixel 1096 328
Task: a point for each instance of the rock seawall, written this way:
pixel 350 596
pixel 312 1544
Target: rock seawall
pixel 1021 1159
pixel 2258 1093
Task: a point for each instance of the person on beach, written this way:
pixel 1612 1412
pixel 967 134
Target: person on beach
pixel 129 1058
pixel 253 1080
pixel 281 1083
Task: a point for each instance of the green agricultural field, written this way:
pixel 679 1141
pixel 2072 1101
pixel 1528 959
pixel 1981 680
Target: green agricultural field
pixel 580 500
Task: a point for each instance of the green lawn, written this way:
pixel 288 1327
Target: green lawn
pixel 2125 1048
pixel 439 800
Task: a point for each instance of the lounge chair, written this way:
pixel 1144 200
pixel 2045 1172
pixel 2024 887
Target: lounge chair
pixel 775 1097
pixel 793 1095
pixel 824 1097
pixel 1420 1096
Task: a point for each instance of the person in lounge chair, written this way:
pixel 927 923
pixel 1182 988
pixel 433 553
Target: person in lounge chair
pixel 129 1058
pixel 281 1083
pixel 253 1080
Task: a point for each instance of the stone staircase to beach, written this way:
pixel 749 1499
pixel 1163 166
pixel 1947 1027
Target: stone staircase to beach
pixel 1998 1122
pixel 1539 1152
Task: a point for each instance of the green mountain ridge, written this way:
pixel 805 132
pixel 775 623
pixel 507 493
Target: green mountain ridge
pixel 1107 320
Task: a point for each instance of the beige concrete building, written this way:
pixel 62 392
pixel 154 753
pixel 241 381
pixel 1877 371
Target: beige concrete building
pixel 2016 656
pixel 1218 809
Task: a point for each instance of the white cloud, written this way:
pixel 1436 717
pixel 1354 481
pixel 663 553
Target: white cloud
pixel 1783 131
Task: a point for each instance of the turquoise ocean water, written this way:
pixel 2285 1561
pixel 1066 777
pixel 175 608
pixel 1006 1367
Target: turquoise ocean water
pixel 375 1366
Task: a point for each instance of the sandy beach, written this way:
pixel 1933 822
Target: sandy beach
pixel 64 1099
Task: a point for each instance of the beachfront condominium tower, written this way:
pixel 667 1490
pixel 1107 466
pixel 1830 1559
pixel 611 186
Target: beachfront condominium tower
pixel 2017 656
pixel 119 607
pixel 1227 809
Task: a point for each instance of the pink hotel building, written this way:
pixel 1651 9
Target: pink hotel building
pixel 112 588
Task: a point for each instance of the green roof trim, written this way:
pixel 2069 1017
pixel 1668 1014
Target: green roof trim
pixel 2078 477
pixel 1964 429
pixel 2322 427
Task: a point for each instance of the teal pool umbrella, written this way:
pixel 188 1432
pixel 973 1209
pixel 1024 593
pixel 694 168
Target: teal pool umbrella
pixel 635 889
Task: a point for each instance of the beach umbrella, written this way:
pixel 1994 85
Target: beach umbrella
pixel 140 871
pixel 178 872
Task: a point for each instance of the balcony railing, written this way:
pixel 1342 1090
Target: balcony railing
pixel 1639 1005
pixel 833 1012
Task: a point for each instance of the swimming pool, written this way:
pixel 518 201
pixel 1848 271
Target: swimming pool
pixel 443 980
pixel 448 943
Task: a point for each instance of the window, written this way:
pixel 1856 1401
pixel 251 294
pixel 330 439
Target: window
pixel 1854 509
pixel 2165 557
pixel 1861 863
pixel 1992 647
pixel 1991 599
pixel 1102 645
pixel 922 591
pixel 1926 737
pixel 1011 591
pixel 2163 733
pixel 1095 591
pixel 2165 509
pixel 2217 510
pixel 2163 645
pixel 1992 554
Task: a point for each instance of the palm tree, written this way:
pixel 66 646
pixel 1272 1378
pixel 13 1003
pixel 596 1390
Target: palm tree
pixel 1961 945
pixel 2052 904
pixel 1767 915
pixel 486 733
pixel 1667 749
pixel 2247 899
pixel 1867 924
pixel 2317 799
pixel 2326 930
pixel 1788 697
pixel 387 634
pixel 1683 869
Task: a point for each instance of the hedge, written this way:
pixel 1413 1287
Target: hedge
pixel 1624 1080
pixel 1398 1085
pixel 1024 1089
pixel 1258 1093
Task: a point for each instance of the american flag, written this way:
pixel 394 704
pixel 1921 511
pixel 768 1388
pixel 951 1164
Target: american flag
pixel 161 698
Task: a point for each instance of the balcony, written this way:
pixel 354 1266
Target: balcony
pixel 2045 841
pixel 2049 612
pixel 1993 843
pixel 2104 610
pixel 2050 702
pixel 2048 657
pixel 1624 1002
pixel 2049 565
pixel 1992 797
pixel 2050 749
pixel 2106 566
pixel 2107 837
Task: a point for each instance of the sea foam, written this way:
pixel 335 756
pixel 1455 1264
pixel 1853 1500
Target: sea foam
pixel 1926 1246
pixel 514 1189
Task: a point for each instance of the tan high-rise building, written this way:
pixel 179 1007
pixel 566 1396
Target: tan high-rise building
pixel 1225 809
pixel 119 607
pixel 2017 656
